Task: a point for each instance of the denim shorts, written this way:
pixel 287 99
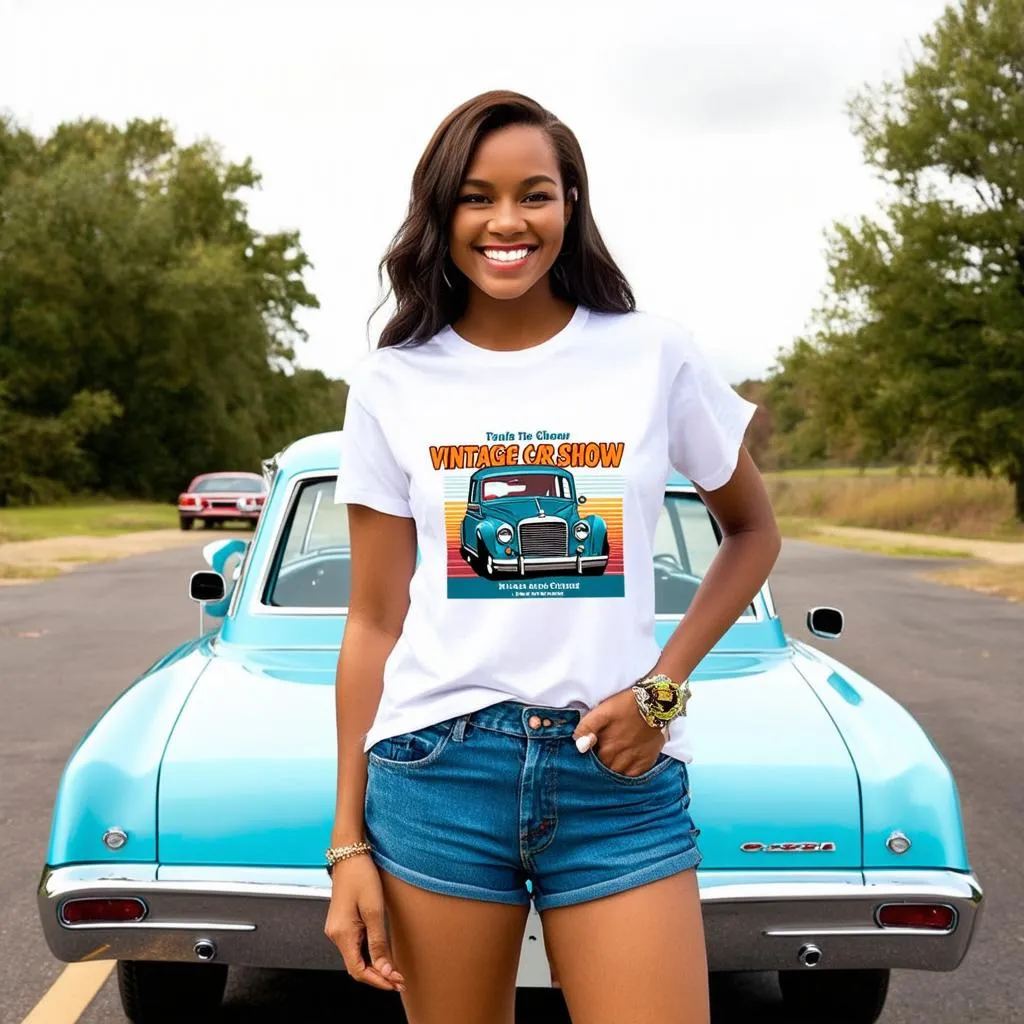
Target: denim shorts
pixel 499 805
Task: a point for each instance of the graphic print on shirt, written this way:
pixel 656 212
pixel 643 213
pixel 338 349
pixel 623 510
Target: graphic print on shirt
pixel 533 518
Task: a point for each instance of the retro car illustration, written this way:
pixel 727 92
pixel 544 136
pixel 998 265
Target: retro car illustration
pixel 524 520
pixel 218 498
pixel 190 822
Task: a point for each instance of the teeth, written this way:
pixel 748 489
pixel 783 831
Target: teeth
pixel 506 255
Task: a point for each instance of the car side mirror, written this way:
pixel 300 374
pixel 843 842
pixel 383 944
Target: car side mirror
pixel 581 500
pixel 206 586
pixel 826 623
pixel 225 557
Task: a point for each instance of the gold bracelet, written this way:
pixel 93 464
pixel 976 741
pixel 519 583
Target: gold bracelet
pixel 336 853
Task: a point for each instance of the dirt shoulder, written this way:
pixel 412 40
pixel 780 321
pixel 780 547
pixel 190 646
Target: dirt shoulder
pixel 28 561
pixel 994 567
pixel 996 551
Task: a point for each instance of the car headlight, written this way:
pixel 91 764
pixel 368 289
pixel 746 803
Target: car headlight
pixel 581 531
pixel 504 533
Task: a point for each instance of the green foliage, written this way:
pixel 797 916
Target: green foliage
pixel 147 330
pixel 919 347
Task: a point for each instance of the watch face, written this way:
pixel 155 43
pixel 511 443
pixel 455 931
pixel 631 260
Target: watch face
pixel 666 699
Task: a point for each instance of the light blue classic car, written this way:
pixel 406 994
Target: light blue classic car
pixel 524 520
pixel 191 820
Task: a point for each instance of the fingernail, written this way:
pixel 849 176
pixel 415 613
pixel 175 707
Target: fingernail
pixel 583 743
pixel 385 968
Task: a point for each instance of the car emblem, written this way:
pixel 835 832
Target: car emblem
pixel 827 847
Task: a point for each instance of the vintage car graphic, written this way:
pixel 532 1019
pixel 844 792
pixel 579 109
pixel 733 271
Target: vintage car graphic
pixel 189 828
pixel 525 520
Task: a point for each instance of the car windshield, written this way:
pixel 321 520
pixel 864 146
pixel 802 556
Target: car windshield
pixel 246 484
pixel 529 485
pixel 311 565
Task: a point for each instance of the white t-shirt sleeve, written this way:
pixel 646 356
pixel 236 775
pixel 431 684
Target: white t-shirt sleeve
pixel 368 473
pixel 706 418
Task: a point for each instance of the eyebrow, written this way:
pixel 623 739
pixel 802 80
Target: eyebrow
pixel 526 183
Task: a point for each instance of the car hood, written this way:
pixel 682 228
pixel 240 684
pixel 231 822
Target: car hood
pixel 248 776
pixel 514 509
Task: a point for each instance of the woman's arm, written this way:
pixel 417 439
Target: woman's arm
pixel 383 551
pixel 750 545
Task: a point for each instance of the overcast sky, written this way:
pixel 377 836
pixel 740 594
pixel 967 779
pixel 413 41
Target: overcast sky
pixel 715 133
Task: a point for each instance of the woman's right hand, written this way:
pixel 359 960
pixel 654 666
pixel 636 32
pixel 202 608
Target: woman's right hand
pixel 357 910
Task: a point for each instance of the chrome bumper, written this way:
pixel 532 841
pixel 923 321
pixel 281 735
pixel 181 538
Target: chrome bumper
pixel 537 563
pixel 275 918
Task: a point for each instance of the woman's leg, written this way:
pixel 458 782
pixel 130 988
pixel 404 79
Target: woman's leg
pixel 459 956
pixel 637 957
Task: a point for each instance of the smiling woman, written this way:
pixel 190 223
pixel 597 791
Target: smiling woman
pixel 492 574
pixel 517 214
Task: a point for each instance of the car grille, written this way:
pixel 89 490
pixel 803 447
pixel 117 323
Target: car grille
pixel 219 503
pixel 544 539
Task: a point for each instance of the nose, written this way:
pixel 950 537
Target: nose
pixel 506 218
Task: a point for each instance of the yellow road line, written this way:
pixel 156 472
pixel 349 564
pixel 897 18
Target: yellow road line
pixel 71 993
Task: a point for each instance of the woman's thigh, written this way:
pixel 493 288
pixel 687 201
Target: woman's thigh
pixel 459 956
pixel 637 957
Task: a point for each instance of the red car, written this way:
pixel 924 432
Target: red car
pixel 221 498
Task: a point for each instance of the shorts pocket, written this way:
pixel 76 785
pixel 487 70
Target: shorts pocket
pixel 413 749
pixel 664 762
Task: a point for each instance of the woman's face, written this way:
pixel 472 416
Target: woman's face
pixel 510 214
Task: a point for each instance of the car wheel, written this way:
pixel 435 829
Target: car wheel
pixel 482 562
pixel 185 522
pixel 840 997
pixel 159 993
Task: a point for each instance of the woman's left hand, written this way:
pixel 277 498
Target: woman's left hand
pixel 624 742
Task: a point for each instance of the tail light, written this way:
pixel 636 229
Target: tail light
pixel 187 501
pixel 102 911
pixel 926 916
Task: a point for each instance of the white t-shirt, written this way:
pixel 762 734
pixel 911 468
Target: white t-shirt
pixel 535 478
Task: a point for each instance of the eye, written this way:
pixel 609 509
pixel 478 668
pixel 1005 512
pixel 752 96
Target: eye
pixel 537 197
pixel 473 197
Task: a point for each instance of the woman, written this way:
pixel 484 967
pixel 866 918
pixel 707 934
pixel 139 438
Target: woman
pixel 508 728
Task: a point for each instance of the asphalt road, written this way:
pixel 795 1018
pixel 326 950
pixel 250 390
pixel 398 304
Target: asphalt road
pixel 68 646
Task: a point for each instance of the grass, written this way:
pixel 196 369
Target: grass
pixel 94 519
pixel 28 572
pixel 1001 580
pixel 948 505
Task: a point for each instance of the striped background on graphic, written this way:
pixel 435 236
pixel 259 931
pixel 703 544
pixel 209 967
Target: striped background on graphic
pixel 602 490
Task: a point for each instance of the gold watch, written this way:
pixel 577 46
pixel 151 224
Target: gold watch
pixel 661 699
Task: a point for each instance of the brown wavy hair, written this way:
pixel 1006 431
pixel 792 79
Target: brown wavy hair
pixel 417 258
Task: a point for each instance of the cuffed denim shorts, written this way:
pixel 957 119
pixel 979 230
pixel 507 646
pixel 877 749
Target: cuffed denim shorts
pixel 499 805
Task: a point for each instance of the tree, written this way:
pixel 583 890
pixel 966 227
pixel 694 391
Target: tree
pixel 920 342
pixel 147 330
